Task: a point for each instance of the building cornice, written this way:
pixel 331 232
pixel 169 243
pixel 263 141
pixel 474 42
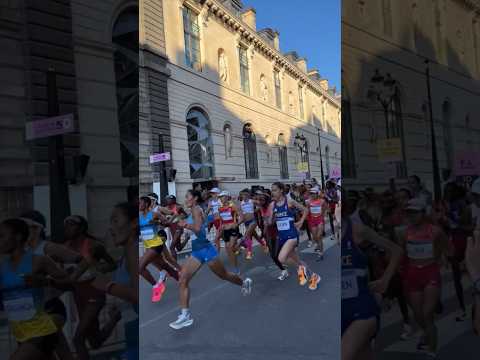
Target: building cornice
pixel 220 12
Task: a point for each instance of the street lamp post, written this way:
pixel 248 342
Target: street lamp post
pixel 435 166
pixel 301 143
pixel 383 90
pixel 321 161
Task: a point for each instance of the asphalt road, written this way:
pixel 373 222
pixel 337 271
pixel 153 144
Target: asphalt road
pixel 456 339
pixel 279 321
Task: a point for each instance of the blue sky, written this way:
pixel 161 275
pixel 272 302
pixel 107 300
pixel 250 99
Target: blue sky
pixel 310 27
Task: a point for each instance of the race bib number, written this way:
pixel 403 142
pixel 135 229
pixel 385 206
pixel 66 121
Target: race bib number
pixel 20 308
pixel 419 250
pixel 316 210
pixel 283 225
pixel 147 234
pixel 156 241
pixel 349 285
pixel 226 216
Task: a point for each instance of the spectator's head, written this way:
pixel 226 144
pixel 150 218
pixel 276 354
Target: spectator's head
pixel 402 197
pixel 171 200
pixel 414 183
pixel 36 223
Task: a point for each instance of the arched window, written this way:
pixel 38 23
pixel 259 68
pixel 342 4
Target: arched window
pixel 200 145
pixel 250 149
pixel 125 42
pixel 228 139
pixel 447 133
pixel 283 156
pixel 395 130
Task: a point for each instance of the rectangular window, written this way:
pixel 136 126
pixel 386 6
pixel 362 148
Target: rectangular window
pixel 300 102
pixel 278 90
pixel 244 81
pixel 192 39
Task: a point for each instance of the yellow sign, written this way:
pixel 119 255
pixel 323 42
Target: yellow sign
pixel 389 150
pixel 302 167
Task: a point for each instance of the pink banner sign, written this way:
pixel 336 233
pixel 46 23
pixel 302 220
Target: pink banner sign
pixel 467 163
pixel 335 172
pixel 159 157
pixel 57 125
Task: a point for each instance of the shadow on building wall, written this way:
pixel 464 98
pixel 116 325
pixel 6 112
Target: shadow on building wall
pixel 231 167
pixel 365 124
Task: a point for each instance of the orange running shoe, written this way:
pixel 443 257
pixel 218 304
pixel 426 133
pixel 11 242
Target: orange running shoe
pixel 314 280
pixel 302 275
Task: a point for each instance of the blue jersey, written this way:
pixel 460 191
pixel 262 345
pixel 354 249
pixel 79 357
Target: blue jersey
pixel 285 221
pixel 199 240
pixel 147 229
pixel 20 301
pixel 354 267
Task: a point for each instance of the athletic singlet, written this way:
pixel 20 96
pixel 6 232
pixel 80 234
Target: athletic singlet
pixel 148 231
pixel 122 276
pixel 285 221
pixel 247 206
pixel 215 205
pixel 420 243
pixel 315 207
pixel 24 305
pixel 354 267
pixel 226 214
pixel 199 240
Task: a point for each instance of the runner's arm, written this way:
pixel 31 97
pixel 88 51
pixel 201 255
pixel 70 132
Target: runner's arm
pixel 303 209
pixel 366 233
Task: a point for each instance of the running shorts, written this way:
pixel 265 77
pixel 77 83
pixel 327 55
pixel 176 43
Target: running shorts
pixel 206 254
pixel 249 222
pixel 55 306
pixel 416 278
pixel 229 233
pixel 361 308
pixel 315 221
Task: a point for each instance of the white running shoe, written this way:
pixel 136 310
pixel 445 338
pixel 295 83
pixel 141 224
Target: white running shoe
pixel 183 320
pixel 310 244
pixel 247 287
pixel 283 275
pixel 407 332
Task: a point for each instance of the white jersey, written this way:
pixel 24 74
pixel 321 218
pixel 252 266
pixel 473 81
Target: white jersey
pixel 247 207
pixel 215 205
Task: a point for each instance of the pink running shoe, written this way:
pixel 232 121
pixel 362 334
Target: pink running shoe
pixel 157 292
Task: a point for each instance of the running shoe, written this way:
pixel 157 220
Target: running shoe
pixel 183 320
pixel 422 344
pixel 431 355
pixel 283 275
pixel 302 275
pixel 249 255
pixel 314 280
pixel 407 332
pixel 461 318
pixel 310 243
pixel 157 292
pixel 265 248
pixel 247 287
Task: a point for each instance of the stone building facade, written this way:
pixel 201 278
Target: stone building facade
pixel 90 46
pixel 237 103
pixel 396 37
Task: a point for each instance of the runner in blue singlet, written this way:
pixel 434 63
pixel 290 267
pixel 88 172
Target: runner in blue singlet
pixel 360 311
pixel 283 217
pixel 203 252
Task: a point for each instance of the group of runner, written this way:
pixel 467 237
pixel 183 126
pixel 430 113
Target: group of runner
pixel 36 272
pixel 396 245
pixel 272 217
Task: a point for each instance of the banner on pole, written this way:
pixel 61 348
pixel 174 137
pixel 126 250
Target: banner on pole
pixel 389 150
pixel 467 163
pixel 302 167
